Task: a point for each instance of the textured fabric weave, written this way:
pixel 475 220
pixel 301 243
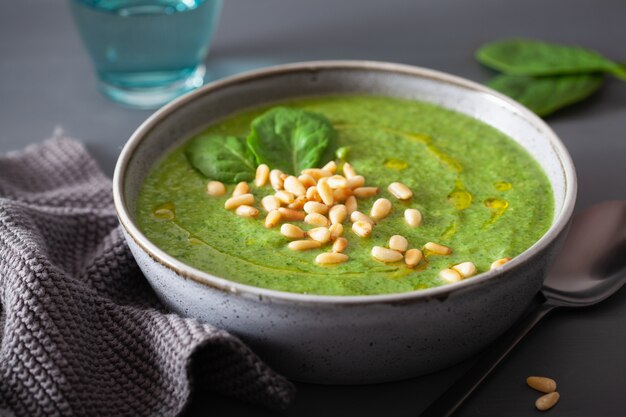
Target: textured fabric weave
pixel 82 333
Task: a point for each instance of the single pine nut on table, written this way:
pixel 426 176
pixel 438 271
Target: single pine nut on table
pixel 307 180
pixel 241 188
pixel 330 167
pixel 325 192
pixel 272 219
pixel 340 195
pixel 412 257
pixel 315 207
pixel 262 175
pixel 366 192
pixel 362 229
pixel 331 258
pixel 398 243
pixel 380 209
pixel 241 200
pixel 547 401
pixel 291 215
pixel 438 249
pixel 285 197
pixel 337 181
pixel 215 188
pixel 356 181
pixel 316 219
pixel 400 191
pixel 298 203
pixel 413 217
pixel 246 211
pixel 276 179
pixel 386 255
pixel 357 216
pixel 351 204
pixel 541 383
pixel 292 231
pixel 348 171
pixel 301 245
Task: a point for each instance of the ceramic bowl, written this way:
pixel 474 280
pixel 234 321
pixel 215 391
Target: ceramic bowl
pixel 348 339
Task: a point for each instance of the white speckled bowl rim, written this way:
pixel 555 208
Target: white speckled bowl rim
pixel 185 271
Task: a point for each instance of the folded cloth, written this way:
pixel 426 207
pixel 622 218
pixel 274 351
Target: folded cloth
pixel 82 332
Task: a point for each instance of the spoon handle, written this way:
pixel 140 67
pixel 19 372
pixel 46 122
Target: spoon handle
pixel 459 391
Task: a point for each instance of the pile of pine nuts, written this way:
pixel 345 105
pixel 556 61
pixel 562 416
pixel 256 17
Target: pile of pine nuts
pixel 323 199
pixel 548 387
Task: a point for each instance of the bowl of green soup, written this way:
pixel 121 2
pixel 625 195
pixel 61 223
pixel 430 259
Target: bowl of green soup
pixel 353 222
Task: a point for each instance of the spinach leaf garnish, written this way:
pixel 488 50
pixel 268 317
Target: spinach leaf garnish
pixel 546 76
pixel 544 95
pixel 290 139
pixel 223 158
pixel 535 58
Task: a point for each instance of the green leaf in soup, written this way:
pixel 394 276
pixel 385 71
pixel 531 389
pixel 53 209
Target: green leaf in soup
pixel 536 58
pixel 545 95
pixel 223 158
pixel 290 139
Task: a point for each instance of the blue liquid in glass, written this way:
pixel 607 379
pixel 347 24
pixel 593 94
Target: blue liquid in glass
pixel 146 52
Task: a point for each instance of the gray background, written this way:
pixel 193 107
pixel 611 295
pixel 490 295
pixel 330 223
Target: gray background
pixel 46 81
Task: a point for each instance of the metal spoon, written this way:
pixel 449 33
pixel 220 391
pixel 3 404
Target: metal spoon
pixel 590 267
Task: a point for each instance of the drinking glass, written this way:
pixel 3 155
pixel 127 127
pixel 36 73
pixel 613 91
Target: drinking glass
pixel 147 52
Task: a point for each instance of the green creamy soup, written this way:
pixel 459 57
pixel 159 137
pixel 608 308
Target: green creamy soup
pixel 480 193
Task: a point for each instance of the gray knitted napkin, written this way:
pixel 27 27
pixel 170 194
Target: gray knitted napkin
pixel 82 333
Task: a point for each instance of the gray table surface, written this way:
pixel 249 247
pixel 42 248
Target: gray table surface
pixel 46 81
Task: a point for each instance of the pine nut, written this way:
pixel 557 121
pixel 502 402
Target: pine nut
pixel 337 214
pixel 304 244
pixel 366 192
pixel 325 192
pixel 269 203
pixel 438 249
pixel 449 275
pixel 400 191
pixel 298 203
pixel 215 188
pixel 330 167
pixel 315 207
pixel 292 231
pixel 276 179
pixel 272 219
pixel 307 180
pixel 164 214
pixel 356 182
pixel 285 197
pixel 413 217
pixel 399 243
pixel 348 171
pixel 362 229
pixel 294 186
pixel 337 181
pixel 317 173
pixel 336 230
pixel 316 219
pixel 412 257
pixel 262 175
pixel 246 211
pixel 241 200
pixel 351 204
pixel 380 209
pixel 291 215
pixel 385 255
pixel 499 263
pixel 241 188
pixel 312 195
pixel 546 402
pixel 357 216
pixel 340 195
pixel 340 244
pixel 541 383
pixel 321 234
pixel 330 258
pixel 466 269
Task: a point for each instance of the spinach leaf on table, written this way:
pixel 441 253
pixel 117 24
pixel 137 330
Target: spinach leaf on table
pixel 222 158
pixel 544 95
pixel 290 139
pixel 536 58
